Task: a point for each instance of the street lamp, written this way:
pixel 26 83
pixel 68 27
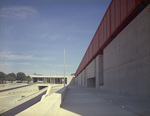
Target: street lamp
pixel 64 67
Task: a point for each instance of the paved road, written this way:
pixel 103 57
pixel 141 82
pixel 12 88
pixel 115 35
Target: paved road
pixel 11 99
pixel 13 88
pixel 23 106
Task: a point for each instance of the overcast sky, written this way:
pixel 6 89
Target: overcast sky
pixel 34 33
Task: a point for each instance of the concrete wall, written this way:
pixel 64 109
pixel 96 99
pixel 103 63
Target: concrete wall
pixel 92 75
pixel 99 71
pixel 87 76
pixel 90 70
pixel 78 79
pixel 124 66
pixel 127 58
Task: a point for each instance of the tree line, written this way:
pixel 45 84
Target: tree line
pixel 19 77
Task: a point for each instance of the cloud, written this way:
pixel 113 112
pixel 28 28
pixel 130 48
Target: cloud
pixel 18 12
pixel 59 65
pixel 10 56
pixel 30 67
pixel 51 36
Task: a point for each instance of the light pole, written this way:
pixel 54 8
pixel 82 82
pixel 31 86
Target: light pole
pixel 64 67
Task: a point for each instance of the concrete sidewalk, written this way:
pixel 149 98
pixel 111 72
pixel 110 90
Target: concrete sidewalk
pixel 80 101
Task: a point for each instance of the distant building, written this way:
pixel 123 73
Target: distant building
pixel 50 79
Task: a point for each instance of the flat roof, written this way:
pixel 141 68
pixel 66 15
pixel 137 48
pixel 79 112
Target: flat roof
pixel 47 76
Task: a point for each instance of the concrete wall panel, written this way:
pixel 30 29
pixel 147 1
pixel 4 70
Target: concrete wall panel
pixel 112 79
pixel 99 71
pixel 85 76
pixel 90 70
pixel 82 75
pixel 112 55
pixel 143 76
pixel 128 75
pixel 128 47
pixel 78 80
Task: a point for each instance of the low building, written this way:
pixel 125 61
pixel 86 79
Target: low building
pixel 51 79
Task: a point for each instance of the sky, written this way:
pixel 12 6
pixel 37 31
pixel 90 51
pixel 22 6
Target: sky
pixel 34 33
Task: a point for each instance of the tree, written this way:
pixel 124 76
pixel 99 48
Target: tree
pixel 2 77
pixel 21 76
pixel 28 78
pixel 11 77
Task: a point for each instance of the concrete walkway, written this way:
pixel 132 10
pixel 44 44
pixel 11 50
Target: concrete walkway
pixel 80 101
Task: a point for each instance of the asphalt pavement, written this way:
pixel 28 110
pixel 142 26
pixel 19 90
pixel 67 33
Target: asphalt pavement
pixel 23 106
pixel 13 88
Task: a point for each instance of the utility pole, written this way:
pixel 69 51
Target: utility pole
pixel 64 67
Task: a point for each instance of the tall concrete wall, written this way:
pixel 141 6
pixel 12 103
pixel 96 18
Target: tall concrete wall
pixel 124 66
pixel 92 75
pixel 127 58
pixel 99 71
pixel 90 70
pixel 83 78
pixel 79 79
